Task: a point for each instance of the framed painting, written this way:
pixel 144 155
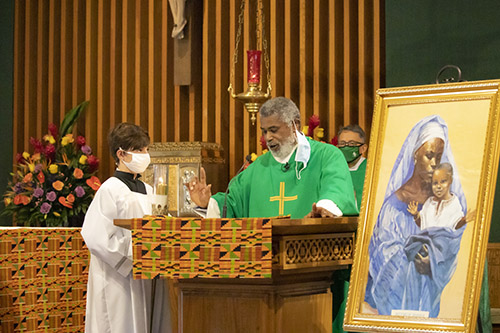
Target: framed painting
pixel 426 209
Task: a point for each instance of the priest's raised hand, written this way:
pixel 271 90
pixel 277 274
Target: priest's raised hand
pixel 199 191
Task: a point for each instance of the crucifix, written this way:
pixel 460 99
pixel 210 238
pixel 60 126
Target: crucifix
pixel 187 35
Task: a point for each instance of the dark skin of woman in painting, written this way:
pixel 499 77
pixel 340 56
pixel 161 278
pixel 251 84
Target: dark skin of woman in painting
pixel 418 188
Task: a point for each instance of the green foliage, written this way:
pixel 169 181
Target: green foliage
pixel 71 117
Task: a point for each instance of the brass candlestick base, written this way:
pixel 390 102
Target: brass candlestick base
pixel 253 98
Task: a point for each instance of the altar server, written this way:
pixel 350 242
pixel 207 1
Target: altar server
pixel 115 301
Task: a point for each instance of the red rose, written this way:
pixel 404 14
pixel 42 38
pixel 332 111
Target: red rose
pixel 80 141
pixel 53 130
pixel 93 162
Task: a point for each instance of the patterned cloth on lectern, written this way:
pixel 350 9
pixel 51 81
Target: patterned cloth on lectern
pixel 211 248
pixel 43 280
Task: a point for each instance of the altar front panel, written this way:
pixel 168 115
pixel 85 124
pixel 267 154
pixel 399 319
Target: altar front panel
pixel 181 248
pixel 43 280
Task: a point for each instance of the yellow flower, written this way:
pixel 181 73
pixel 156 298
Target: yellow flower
pixel 53 168
pixel 49 138
pixel 26 155
pixel 83 159
pixel 318 133
pixel 7 201
pixel 56 214
pixel 31 166
pixel 254 157
pixel 68 138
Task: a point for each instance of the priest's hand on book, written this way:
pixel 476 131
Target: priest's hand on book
pixel 199 191
pixel 319 212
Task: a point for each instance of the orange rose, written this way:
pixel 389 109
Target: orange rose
pixel 70 198
pixel 58 185
pixel 78 173
pixel 94 183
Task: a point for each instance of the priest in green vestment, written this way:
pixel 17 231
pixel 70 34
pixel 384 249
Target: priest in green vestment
pixel 298 177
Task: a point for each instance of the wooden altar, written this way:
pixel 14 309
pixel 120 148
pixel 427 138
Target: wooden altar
pixel 296 298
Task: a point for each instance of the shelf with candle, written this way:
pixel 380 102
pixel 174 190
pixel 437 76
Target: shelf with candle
pixel 161 187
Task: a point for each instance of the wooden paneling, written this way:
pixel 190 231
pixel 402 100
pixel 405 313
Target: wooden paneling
pixel 493 256
pixel 327 56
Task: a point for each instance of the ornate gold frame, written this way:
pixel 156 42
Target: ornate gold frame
pixel 472 113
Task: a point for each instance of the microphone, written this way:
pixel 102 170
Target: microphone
pixel 285 167
pixel 224 207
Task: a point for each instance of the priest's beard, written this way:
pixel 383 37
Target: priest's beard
pixel 285 148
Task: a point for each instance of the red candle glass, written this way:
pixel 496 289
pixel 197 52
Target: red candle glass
pixel 253 62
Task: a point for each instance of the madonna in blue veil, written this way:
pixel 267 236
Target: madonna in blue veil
pixel 410 267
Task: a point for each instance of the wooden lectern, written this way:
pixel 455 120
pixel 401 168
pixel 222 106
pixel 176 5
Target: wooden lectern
pixel 296 298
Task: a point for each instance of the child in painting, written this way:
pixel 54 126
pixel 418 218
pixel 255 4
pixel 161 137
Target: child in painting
pixel 443 208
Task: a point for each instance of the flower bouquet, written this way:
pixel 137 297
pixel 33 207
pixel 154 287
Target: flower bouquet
pixel 54 185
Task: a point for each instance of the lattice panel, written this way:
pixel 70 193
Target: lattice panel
pixel 316 250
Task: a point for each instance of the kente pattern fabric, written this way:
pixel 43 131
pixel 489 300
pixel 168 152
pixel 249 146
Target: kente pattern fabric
pixel 43 280
pixel 210 248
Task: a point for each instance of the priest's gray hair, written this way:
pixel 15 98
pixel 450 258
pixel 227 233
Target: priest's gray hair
pixel 284 108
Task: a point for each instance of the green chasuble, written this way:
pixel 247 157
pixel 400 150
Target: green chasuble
pixel 267 188
pixel 358 180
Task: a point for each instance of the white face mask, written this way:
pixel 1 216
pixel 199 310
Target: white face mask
pixel 139 162
pixel 303 151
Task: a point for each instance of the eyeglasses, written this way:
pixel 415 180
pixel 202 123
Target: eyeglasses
pixel 349 144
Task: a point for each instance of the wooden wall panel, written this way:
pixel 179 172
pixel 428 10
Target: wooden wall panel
pixel 327 56
pixel 493 257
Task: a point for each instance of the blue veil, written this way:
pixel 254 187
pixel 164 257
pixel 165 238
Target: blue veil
pixel 404 165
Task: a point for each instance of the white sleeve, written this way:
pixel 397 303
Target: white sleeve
pixel 213 209
pixel 330 206
pixel 110 243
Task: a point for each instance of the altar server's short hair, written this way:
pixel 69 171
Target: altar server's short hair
pixel 127 136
